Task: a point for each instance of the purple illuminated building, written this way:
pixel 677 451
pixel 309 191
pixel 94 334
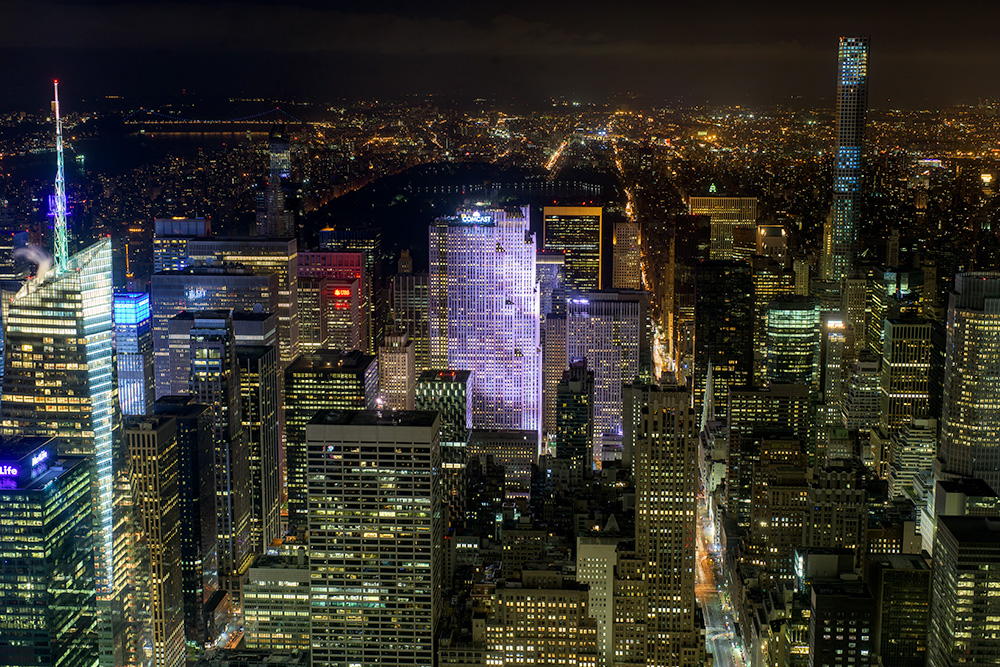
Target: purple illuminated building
pixel 483 304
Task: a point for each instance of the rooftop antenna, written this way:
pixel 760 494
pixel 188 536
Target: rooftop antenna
pixel 60 243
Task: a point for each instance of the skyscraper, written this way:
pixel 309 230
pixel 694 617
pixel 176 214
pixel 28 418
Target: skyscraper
pixel 367 242
pixel 323 380
pixel 196 500
pixel 840 235
pixel 170 240
pixel 215 382
pixel 46 581
pixel 793 336
pixel 770 281
pixel 723 339
pixel 484 312
pixel 396 376
pixel 963 583
pixel 198 289
pixel 970 425
pixel 727 215
pixel 154 451
pixel 134 353
pixel 577 232
pixel 448 393
pixel 260 387
pixel 610 329
pixel 409 300
pixel 275 220
pixel 262 257
pixel 666 488
pixel 375 600
pixel 575 415
pixel 66 390
pixel 627 273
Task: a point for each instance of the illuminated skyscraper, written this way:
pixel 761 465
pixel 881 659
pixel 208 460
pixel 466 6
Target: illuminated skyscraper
pixel 276 603
pixel 793 337
pixel 723 339
pixel 448 393
pixel 47 570
pixel 58 382
pixel 170 240
pixel 770 282
pixel 374 473
pixel 666 489
pixel 970 428
pixel 341 243
pixel 627 273
pixel 396 375
pixel 577 232
pixel 840 235
pixel 134 353
pixel 202 288
pixel 260 386
pixel 611 330
pixel 154 451
pixel 409 299
pixel 550 267
pixel 484 313
pixel 727 214
pixel 963 592
pixel 262 257
pixel 215 382
pixel 323 380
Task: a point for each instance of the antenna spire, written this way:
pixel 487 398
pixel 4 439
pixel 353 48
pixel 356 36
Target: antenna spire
pixel 60 241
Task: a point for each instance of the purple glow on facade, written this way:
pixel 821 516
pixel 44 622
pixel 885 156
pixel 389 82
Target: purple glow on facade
pixel 484 306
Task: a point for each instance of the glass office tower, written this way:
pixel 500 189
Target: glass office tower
pixel 134 350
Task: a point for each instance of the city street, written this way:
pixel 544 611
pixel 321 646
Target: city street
pixel 720 640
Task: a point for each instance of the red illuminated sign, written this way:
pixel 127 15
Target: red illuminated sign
pixel 342 291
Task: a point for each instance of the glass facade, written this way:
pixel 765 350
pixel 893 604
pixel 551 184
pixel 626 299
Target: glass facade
pixel 134 352
pixel 576 232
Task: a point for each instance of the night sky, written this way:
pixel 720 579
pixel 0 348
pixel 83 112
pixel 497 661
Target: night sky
pixel 923 54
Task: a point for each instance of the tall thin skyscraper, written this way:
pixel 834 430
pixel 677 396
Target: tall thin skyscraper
pixel 375 600
pixel 396 375
pixel 275 220
pixel 626 273
pixel 970 428
pixel 484 312
pixel 154 451
pixel 215 381
pixel 260 387
pixel 840 235
pixel 134 353
pixel 666 488
pixel 723 338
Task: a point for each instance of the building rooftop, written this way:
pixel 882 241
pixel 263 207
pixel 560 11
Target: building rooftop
pixel 899 561
pixel 424 418
pixel 976 529
pixel 328 359
pixel 970 486
pixel 444 375
pixel 244 657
